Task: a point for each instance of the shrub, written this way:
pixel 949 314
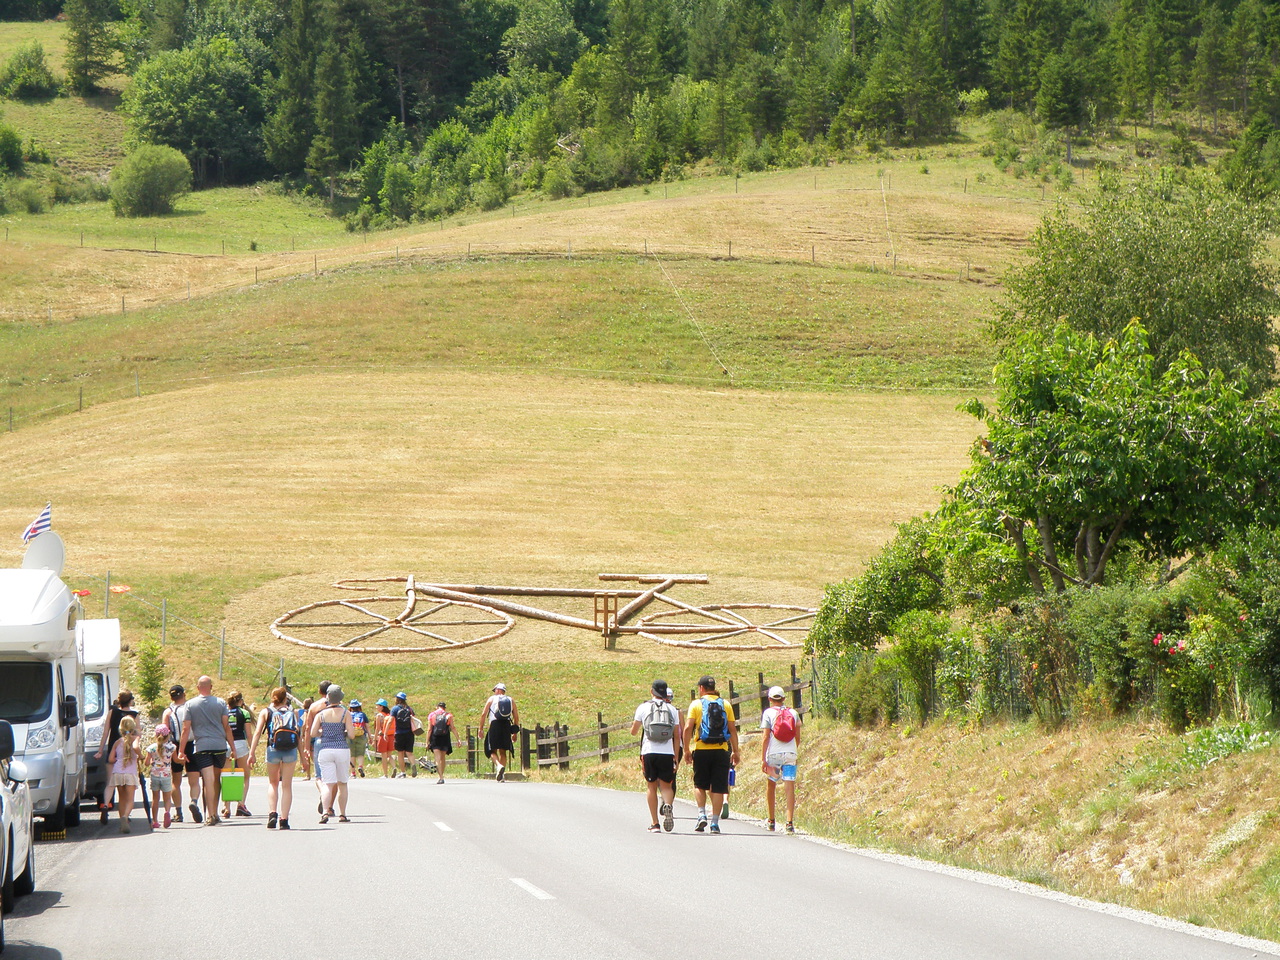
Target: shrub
pixel 149 670
pixel 27 195
pixel 148 181
pixel 26 75
pixel 10 149
pixel 557 179
pixel 488 195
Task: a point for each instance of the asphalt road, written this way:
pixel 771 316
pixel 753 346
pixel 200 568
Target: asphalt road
pixel 477 869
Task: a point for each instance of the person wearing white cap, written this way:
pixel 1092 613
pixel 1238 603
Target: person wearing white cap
pixel 502 718
pixel 779 753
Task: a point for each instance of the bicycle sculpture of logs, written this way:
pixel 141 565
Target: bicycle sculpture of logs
pixel 430 617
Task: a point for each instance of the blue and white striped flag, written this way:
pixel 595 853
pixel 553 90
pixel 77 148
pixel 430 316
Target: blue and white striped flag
pixel 40 524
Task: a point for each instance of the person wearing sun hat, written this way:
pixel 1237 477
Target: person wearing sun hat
pixel 360 742
pixel 384 734
pixel 779 753
pixel 502 719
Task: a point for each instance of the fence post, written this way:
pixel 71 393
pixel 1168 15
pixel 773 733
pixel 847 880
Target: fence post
pixel 604 738
pixel 164 620
pixel 797 701
pixel 763 693
pixel 562 746
pixel 526 749
pixel 736 708
pixel 471 751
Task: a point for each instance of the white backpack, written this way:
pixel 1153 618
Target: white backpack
pixel 660 724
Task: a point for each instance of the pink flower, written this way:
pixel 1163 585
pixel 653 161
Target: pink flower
pixel 1155 641
pixel 1182 645
pixel 1244 617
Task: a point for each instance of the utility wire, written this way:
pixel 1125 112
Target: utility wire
pixel 692 319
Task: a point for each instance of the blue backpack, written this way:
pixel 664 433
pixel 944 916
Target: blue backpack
pixel 715 722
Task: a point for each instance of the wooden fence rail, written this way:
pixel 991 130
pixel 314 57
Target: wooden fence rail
pixel 548 746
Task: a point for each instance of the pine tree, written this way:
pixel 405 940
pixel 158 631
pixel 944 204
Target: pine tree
pixel 90 49
pixel 1209 73
pixel 290 128
pixel 335 142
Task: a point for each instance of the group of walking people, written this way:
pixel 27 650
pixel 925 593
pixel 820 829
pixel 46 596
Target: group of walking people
pixel 202 737
pixel 706 737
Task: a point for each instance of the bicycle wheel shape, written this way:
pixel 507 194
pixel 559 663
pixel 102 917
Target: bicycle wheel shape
pixel 729 626
pixel 396 624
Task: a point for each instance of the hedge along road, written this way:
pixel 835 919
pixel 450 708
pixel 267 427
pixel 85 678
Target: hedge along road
pixel 476 869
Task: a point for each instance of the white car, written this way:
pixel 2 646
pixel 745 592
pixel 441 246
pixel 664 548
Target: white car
pixel 17 835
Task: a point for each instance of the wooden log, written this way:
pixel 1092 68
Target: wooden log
pixel 642 601
pixel 657 577
pixel 507 606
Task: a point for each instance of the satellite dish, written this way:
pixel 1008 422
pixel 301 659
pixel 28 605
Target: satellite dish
pixel 45 552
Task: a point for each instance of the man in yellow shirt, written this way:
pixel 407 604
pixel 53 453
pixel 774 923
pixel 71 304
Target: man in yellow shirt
pixel 711 746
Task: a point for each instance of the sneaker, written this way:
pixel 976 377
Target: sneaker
pixel 702 823
pixel 271 820
pixel 242 811
pixel 724 811
pixel 771 826
pixel 441 780
pixel 791 827
pixel 195 813
pixel 654 828
pixel 155 824
pixel 715 828
pixel 168 819
pixel 177 814
pixel 501 771
pixel 105 816
pixel 362 771
pixel 284 824
pixel 668 818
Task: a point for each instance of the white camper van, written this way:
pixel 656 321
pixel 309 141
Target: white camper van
pixel 41 678
pixel 100 645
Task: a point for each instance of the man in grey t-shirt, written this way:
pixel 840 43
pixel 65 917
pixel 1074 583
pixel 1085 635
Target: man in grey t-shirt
pixel 206 728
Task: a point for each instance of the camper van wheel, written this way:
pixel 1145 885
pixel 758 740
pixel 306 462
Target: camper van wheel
pixel 73 813
pixel 7 895
pixel 26 882
pixel 58 819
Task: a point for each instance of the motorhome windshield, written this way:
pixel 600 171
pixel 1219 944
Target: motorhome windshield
pixel 26 692
pixel 94 695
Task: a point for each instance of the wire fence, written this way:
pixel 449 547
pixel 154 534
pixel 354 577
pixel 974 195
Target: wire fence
pixel 155 618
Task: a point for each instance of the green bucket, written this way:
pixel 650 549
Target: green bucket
pixel 233 787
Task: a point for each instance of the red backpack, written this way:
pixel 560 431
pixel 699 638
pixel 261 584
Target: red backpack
pixel 784 725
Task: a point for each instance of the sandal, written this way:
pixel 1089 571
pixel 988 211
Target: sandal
pixel 324 818
pixel 343 819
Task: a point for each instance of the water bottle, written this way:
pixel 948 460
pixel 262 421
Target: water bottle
pixel 733 776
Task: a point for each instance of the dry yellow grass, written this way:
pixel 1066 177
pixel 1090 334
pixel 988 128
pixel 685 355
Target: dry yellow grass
pixel 458 475
pixel 924 225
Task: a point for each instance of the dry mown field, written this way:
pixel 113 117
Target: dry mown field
pixel 460 475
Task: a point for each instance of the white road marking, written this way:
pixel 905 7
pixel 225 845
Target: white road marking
pixel 444 826
pixel 530 889
pixel 396 799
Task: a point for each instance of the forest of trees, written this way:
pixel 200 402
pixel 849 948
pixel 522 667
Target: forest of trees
pixel 418 107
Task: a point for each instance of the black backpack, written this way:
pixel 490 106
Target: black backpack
pixel 284 735
pixel 441 726
pixel 504 707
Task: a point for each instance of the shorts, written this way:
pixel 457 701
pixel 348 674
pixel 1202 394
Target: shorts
pixel 659 766
pixel 404 742
pixel 161 785
pixel 386 743
pixel 359 746
pixel 782 767
pixel 711 770
pixel 178 768
pixel 242 749
pixel 282 756
pixel 203 759
pixel 334 764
